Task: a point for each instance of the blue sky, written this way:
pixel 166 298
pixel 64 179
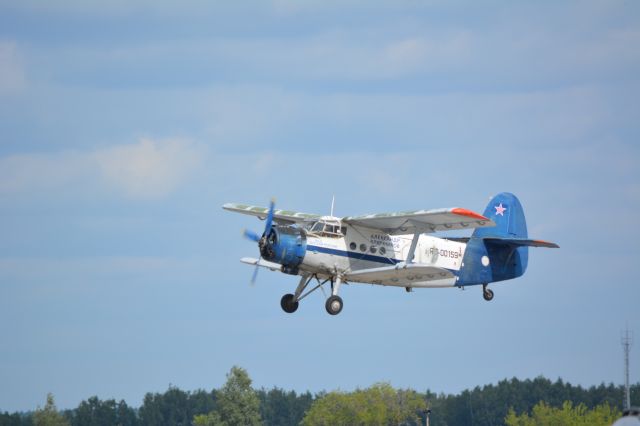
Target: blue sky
pixel 124 128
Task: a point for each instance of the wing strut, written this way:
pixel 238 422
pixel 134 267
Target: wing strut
pixel 412 249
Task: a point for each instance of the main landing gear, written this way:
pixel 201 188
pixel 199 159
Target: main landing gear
pixel 487 293
pixel 288 303
pixel 333 305
pixel 334 302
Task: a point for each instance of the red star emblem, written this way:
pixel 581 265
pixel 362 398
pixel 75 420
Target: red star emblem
pixel 500 210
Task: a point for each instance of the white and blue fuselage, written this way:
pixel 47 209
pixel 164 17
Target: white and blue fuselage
pixel 354 249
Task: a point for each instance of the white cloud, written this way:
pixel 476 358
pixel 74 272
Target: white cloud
pixel 12 76
pixel 147 169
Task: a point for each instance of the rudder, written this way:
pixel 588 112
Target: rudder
pixel 507 212
pixel 507 261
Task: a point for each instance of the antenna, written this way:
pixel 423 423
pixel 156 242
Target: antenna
pixel 626 340
pixel 333 200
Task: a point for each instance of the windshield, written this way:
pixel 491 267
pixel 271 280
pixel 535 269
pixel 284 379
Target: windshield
pixel 323 229
pixel 317 227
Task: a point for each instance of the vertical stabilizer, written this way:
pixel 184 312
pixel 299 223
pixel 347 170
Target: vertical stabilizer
pixel 501 252
pixel 506 211
pixel 503 260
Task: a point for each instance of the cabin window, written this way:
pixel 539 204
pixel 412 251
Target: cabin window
pixel 363 247
pixel 383 250
pixel 353 245
pixel 373 249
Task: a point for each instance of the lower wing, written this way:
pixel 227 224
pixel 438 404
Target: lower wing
pixel 401 275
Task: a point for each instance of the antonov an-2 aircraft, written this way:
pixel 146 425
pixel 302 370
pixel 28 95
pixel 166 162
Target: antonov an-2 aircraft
pixel 391 249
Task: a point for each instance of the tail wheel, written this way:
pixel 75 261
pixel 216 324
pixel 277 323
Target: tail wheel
pixel 487 294
pixel 288 304
pixel 334 305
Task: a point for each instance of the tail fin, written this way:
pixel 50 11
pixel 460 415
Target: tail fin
pixel 504 248
pixel 507 260
pixel 506 211
pixel 511 227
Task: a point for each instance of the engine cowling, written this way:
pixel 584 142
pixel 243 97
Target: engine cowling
pixel 285 245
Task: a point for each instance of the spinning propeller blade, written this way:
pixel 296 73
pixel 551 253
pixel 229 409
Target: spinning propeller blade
pixel 269 221
pixel 255 275
pixel 251 235
pixel 256 238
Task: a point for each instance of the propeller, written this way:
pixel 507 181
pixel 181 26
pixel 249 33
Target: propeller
pixel 251 235
pixel 261 240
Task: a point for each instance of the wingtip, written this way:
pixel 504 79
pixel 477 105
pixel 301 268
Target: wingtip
pixel 468 213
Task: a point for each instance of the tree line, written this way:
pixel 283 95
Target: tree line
pixel 513 402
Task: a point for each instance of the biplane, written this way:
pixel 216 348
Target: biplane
pixel 392 249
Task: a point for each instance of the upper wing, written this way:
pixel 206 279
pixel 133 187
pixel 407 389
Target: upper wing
pixel 402 274
pixel 282 216
pixel 421 221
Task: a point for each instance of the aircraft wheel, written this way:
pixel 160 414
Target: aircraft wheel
pixel 287 304
pixel 334 305
pixel 487 294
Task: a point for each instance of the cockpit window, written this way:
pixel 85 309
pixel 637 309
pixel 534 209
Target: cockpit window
pixel 331 230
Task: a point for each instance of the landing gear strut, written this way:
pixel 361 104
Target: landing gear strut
pixel 334 302
pixel 289 302
pixel 487 293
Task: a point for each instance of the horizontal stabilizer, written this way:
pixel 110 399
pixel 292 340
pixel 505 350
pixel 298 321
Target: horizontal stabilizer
pixel 261 262
pixel 401 275
pixel 521 242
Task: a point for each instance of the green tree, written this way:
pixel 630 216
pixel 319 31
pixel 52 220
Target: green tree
pixel 211 419
pixel 489 405
pixel 569 415
pixel 237 402
pixel 125 415
pixel 15 419
pixel 94 412
pixel 283 408
pixel 49 415
pixel 174 407
pixel 379 404
pixel 201 402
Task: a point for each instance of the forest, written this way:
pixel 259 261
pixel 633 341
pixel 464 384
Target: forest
pixel 512 402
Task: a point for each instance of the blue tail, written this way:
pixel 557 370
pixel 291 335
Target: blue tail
pixel 506 211
pixel 501 252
